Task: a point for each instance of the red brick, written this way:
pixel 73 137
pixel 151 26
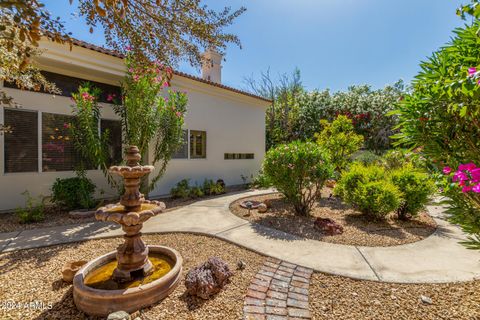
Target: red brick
pixel 299 313
pixel 297 303
pixel 302 274
pixel 276 311
pixel 284 273
pixel 263 277
pixel 305 270
pixel 297 296
pixel 258 288
pixel 266 272
pixel 299 290
pixel 288 265
pixel 282 288
pixel 300 279
pixel 283 268
pixel 254 309
pixel 282 278
pixel 277 295
pixel 259 282
pixel 254 316
pixel 254 302
pixel 275 317
pixel 275 303
pixel 271 265
pixel 299 284
pixel 256 294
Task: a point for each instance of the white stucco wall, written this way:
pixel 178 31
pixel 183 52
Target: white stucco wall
pixel 234 123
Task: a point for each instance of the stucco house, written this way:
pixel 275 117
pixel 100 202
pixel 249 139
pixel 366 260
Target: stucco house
pixel 224 127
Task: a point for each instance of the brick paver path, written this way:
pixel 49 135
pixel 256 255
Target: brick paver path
pixel 279 291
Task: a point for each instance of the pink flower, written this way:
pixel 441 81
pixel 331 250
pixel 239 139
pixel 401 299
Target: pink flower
pixel 467 167
pixel 447 170
pixel 178 114
pixel 111 96
pixel 466 189
pixel 476 188
pixel 66 125
pixel 472 71
pixel 460 176
pixel 475 174
pixel 166 84
pixel 136 77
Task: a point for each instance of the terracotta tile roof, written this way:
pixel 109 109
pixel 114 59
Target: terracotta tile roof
pixel 117 54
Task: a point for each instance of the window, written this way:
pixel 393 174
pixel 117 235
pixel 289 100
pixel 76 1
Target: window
pixel 238 156
pixel 182 151
pixel 198 144
pixel 58 153
pixel 21 141
pixel 68 84
pixel 115 150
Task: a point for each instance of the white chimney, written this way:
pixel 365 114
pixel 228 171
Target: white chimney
pixel 212 66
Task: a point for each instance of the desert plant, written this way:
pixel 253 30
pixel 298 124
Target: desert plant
pixel 210 188
pixel 298 170
pixel 196 192
pixel 416 187
pixel 339 139
pixel 181 190
pixel 33 210
pixel 74 193
pixel 366 158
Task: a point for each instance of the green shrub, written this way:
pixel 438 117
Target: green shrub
pixel 339 139
pixel 366 158
pixel 33 210
pixel 74 193
pixel 398 158
pixel 196 192
pixel 181 190
pixel 298 170
pixel 376 198
pixel 261 181
pixel 416 188
pixel 368 189
pixel 211 188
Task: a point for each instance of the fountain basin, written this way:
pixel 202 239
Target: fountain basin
pixel 101 302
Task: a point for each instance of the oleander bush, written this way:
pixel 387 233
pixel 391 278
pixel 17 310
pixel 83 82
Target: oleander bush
pixel 299 171
pixel 416 188
pixel 261 181
pixel 74 193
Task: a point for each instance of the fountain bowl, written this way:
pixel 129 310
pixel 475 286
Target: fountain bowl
pixel 100 302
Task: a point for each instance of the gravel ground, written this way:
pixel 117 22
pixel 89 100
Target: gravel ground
pixel 335 298
pixel 55 216
pixel 35 275
pixel 358 230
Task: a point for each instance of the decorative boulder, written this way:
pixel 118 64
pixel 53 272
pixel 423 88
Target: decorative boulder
pixel 329 226
pixel 262 208
pixel 207 279
pixel 70 269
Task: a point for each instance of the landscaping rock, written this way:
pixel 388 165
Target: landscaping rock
pixel 241 265
pixel 268 203
pixel 329 226
pixel 70 269
pixel 118 315
pixel 207 279
pixel 426 300
pixel 262 208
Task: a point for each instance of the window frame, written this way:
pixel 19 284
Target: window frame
pixel 190 146
pixel 187 131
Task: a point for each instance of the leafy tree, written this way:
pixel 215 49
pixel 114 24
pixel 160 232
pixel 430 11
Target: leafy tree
pixel 162 30
pixel 441 115
pixel 339 139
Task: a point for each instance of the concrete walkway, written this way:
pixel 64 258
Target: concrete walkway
pixel 438 258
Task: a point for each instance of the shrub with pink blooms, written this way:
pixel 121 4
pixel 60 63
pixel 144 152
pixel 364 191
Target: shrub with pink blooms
pixel 298 170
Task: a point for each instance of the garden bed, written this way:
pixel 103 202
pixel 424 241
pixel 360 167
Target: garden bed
pixel 55 216
pixel 358 230
pixel 35 275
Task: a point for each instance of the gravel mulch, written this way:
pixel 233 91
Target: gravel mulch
pixel 357 229
pixel 35 275
pixel 336 298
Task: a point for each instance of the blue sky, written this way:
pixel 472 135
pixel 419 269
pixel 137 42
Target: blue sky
pixel 334 43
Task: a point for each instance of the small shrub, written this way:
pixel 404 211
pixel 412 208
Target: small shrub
pixel 398 158
pixel 74 193
pixel 196 192
pixel 339 139
pixel 33 211
pixel 181 190
pixel 366 158
pixel 416 188
pixel 261 181
pixel 298 170
pixel 368 189
pixel 211 188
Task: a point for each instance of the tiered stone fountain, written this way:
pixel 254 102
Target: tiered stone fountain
pixel 136 275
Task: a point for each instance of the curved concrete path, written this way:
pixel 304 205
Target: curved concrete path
pixel 438 258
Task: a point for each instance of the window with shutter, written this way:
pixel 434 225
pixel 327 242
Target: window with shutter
pixel 21 141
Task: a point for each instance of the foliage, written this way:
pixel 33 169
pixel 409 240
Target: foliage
pixel 339 139
pixel 211 188
pixel 368 189
pixel 367 157
pixel 261 181
pixel 442 111
pixel 166 31
pixel 298 170
pixel 74 193
pixel 181 190
pixel 398 158
pixel 33 210
pixel 416 188
pixel 471 9
pixel 196 192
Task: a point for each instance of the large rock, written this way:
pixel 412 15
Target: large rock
pixel 262 208
pixel 207 279
pixel 70 268
pixel 119 315
pixel 329 226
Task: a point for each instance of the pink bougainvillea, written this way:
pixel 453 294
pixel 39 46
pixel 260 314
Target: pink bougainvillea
pixel 467 176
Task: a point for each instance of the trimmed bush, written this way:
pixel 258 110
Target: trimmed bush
pixel 181 190
pixel 368 189
pixel 211 188
pixel 33 211
pixel 74 193
pixel 416 188
pixel 298 170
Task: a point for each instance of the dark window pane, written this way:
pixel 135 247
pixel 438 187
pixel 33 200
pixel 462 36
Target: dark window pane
pixel 58 153
pixel 237 156
pixel 21 141
pixel 198 144
pixel 182 152
pixel 114 128
pixel 67 85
